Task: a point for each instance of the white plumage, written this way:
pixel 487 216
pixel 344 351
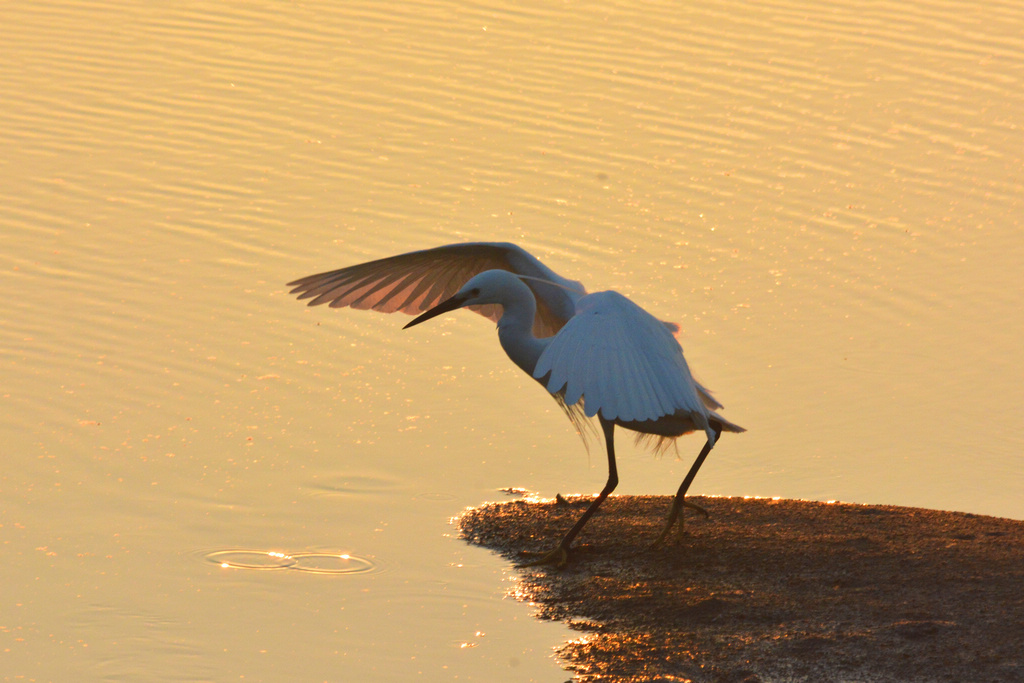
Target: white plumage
pixel 599 353
pixel 623 359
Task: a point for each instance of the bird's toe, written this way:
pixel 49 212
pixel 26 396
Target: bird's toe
pixel 698 508
pixel 557 558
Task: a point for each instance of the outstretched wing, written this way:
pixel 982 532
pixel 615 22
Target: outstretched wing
pixel 415 282
pixel 621 360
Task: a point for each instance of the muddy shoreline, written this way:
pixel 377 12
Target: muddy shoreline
pixel 774 590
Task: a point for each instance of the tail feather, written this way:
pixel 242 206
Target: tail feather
pixel 726 425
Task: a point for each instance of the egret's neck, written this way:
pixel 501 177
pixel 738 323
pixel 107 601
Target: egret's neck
pixel 515 329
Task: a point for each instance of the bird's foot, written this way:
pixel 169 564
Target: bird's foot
pixel 664 534
pixel 698 508
pixel 676 513
pixel 557 558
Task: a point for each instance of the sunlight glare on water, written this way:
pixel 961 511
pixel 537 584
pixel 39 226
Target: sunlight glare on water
pixel 204 479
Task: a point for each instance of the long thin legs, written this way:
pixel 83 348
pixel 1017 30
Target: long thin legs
pixel 560 554
pixel 679 502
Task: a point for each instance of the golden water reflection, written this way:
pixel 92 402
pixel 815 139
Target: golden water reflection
pixel 827 202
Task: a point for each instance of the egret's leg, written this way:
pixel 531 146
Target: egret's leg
pixel 679 503
pixel 560 555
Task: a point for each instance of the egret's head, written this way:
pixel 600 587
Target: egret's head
pixel 488 287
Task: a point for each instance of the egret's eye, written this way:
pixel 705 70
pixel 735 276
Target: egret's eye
pixel 475 291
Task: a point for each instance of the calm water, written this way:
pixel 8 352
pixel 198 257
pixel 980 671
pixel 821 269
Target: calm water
pixel 827 198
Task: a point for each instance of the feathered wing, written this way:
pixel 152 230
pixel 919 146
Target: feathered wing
pixel 622 360
pixel 415 282
pixel 709 401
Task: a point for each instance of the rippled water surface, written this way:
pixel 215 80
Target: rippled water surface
pixel 205 480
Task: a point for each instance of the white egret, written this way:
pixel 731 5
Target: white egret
pixel 597 354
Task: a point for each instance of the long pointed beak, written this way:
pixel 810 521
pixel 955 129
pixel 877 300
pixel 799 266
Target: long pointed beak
pixel 443 307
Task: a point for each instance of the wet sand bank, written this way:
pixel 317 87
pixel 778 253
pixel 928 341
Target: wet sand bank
pixel 774 590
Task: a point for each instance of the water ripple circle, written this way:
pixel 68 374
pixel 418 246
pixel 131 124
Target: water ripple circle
pixel 251 559
pixel 316 563
pixel 329 563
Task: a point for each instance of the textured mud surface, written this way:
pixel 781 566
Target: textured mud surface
pixel 774 590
